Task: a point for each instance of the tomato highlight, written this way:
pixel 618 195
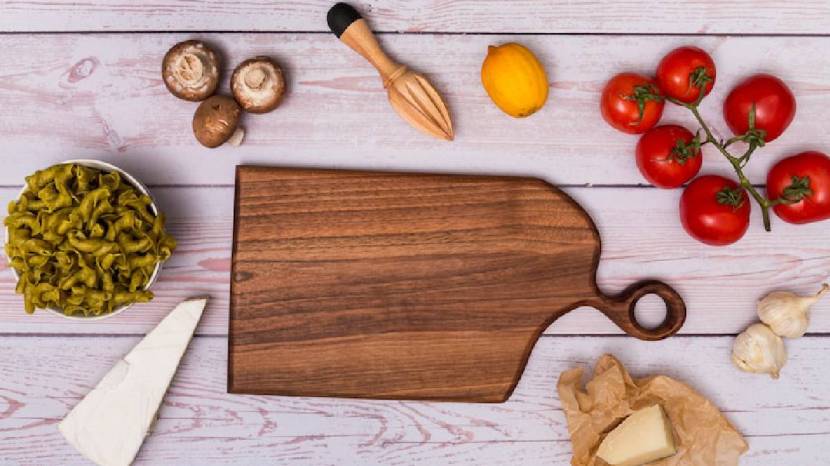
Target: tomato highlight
pixel 668 156
pixel 715 210
pixel 762 103
pixel 631 103
pixel 683 72
pixel 799 186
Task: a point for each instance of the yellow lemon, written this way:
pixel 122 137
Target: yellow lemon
pixel 514 79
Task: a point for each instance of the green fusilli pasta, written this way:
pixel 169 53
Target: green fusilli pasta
pixel 83 241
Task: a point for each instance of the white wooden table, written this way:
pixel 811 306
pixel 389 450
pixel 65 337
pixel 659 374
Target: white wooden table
pixel 82 80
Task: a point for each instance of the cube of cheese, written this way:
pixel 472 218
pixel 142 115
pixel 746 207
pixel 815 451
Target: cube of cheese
pixel 643 437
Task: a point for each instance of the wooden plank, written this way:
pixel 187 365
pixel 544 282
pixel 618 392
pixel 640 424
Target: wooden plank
pixel 42 378
pixel 720 285
pixel 632 16
pixel 101 96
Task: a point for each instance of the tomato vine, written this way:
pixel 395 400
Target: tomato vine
pixel 754 137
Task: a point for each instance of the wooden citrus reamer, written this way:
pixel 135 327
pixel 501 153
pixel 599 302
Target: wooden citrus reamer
pixel 410 94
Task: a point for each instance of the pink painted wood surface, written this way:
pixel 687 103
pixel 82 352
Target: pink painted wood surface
pixel 623 17
pixel 720 285
pixel 101 96
pixel 201 424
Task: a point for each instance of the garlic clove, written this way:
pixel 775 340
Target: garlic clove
pixel 758 350
pixel 788 314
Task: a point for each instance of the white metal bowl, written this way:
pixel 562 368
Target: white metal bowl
pixel 104 167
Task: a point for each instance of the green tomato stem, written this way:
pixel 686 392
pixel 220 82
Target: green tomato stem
pixel 737 163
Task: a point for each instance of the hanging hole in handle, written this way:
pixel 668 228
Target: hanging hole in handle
pixel 650 311
pixel 621 310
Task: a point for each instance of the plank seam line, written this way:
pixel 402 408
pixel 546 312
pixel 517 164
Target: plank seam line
pixel 416 442
pixel 679 335
pixel 210 335
pixel 499 441
pixel 90 335
pixel 160 186
pixel 422 33
pixel 562 185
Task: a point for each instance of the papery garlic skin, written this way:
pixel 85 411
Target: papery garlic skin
pixel 784 313
pixel 788 314
pixel 757 349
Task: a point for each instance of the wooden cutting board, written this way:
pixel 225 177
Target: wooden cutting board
pixel 408 286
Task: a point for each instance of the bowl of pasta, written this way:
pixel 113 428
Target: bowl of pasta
pixel 85 240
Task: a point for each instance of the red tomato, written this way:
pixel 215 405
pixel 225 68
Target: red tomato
pixel 668 157
pixel 715 210
pixel 774 106
pixel 681 73
pixel 805 179
pixel 631 103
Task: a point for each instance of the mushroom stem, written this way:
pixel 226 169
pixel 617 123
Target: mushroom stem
pixel 258 85
pixel 255 78
pixel 189 68
pixel 237 137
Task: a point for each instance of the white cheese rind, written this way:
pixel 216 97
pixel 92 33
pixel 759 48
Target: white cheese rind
pixel 109 425
pixel 643 437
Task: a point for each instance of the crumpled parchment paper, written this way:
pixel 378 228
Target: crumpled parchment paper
pixel 702 434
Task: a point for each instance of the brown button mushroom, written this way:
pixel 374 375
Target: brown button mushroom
pixel 216 120
pixel 258 85
pixel 191 70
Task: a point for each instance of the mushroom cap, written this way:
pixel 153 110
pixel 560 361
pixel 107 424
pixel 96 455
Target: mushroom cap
pixel 190 70
pixel 258 84
pixel 215 120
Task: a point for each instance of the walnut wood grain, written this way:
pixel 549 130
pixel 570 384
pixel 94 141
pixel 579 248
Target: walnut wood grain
pixel 385 285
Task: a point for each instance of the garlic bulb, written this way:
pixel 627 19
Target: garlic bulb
pixel 788 314
pixel 757 349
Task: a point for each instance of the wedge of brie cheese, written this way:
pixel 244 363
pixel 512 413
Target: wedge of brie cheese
pixel 109 425
pixel 643 437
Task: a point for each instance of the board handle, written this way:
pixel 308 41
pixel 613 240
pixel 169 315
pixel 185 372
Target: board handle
pixel 620 309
